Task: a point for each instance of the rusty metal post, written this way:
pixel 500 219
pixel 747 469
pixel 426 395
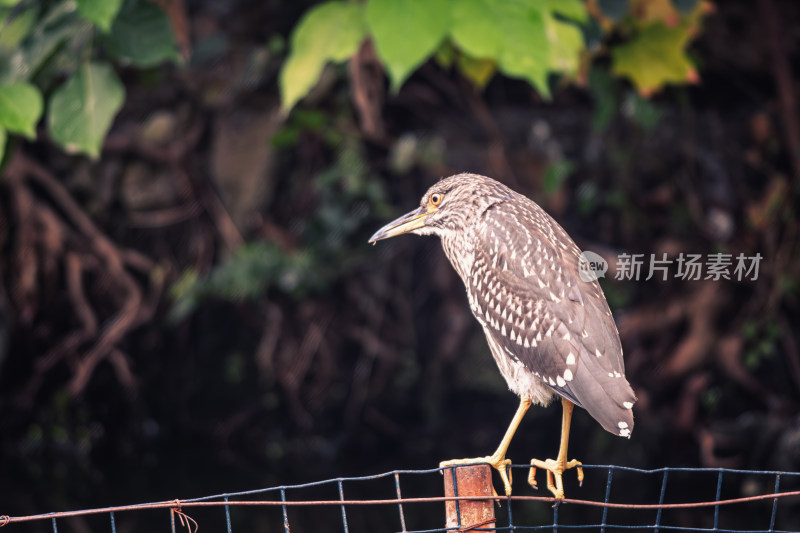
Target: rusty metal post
pixel 473 480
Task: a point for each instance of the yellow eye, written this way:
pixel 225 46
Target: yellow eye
pixel 436 199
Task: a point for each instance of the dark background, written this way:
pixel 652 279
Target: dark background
pixel 307 353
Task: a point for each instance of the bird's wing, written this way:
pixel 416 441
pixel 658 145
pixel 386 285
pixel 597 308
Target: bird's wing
pixel 528 294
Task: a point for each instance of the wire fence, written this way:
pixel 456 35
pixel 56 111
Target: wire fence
pixel 665 499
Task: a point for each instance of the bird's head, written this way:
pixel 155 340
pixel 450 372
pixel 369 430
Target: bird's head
pixel 449 206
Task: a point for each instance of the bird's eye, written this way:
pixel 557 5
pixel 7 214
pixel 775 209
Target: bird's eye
pixel 436 199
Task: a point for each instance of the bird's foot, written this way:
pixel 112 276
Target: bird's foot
pixel 554 470
pixel 499 463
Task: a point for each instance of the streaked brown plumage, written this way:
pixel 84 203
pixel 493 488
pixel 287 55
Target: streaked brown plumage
pixel 550 332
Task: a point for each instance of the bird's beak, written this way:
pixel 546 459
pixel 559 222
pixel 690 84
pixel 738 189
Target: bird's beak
pixel 408 222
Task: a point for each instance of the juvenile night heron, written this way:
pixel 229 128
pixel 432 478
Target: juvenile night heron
pixel 550 332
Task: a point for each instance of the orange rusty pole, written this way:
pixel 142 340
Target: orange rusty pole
pixel 475 480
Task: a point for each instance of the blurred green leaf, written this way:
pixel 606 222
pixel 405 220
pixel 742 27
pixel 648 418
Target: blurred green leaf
pixel 302 120
pixel 285 137
pixel 100 12
pixel 445 55
pixel 512 32
pixel 478 71
pixel 329 32
pixel 276 44
pixel 184 295
pixel 655 57
pixel 406 33
pixel 310 119
pixel 58 24
pixel 81 111
pixel 20 108
pixel 15 25
pixel 477 28
pixel 603 91
pixel 762 340
pixel 566 44
pixel 555 175
pixel 245 275
pixel 563 33
pixel 3 141
pixel 574 10
pixel 141 35
pixel 643 112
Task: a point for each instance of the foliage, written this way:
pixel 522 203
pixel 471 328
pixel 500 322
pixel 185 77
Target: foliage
pixel 82 128
pixel 526 39
pixel 654 57
pixel 20 108
pixel 63 53
pixel 244 276
pixel 332 32
pixel 325 252
pixel 389 22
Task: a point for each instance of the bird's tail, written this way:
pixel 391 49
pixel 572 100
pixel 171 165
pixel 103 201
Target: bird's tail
pixel 608 397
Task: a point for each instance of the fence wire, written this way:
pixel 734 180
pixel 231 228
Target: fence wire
pixel 666 499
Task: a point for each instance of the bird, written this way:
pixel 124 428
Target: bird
pixel 549 329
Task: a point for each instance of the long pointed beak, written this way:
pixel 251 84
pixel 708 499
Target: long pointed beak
pixel 408 222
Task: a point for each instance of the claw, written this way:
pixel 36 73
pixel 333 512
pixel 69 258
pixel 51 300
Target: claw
pixel 554 469
pixel 579 470
pixel 532 477
pixel 498 463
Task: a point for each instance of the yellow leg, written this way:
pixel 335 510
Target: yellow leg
pixel 557 467
pixel 498 459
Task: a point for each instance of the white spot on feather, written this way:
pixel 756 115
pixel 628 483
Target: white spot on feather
pixel 571 358
pixel 568 375
pixel 560 381
pixel 627 405
pixel 622 425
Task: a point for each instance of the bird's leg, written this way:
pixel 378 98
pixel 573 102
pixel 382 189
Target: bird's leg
pixel 498 459
pixel 556 467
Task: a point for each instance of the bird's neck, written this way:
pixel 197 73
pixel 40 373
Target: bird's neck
pixel 459 249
